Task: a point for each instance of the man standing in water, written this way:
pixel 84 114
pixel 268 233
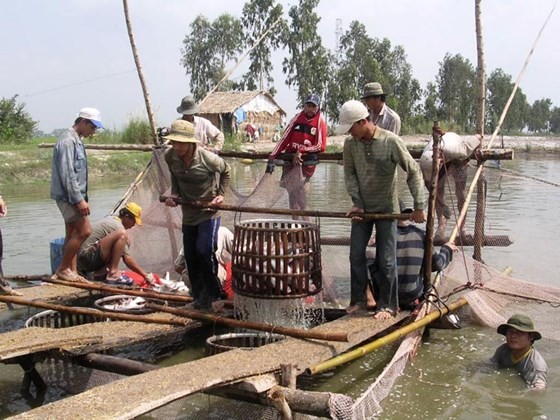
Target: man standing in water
pixel 197 175
pixel 306 135
pixel 69 185
pixel 371 157
pixel 518 351
pixel 5 287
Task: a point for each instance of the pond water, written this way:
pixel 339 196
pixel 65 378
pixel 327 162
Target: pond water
pixel 448 378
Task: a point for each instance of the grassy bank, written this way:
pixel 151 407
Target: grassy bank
pixel 30 164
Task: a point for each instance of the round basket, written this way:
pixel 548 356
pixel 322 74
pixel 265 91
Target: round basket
pixel 54 319
pixel 119 303
pixel 244 341
pixel 276 259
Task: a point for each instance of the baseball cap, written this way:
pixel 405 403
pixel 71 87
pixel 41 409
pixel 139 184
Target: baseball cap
pixel 313 99
pixel 93 115
pixel 350 112
pixel 136 211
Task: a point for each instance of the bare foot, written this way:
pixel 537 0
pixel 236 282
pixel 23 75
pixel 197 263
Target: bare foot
pixel 68 275
pixel 384 314
pixel 358 307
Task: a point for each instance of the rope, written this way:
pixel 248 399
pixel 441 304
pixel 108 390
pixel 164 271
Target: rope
pixel 520 175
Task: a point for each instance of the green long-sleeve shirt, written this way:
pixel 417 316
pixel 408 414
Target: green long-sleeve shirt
pixel 370 172
pixel 207 176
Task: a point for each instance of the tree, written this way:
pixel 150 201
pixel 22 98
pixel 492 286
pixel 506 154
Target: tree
pixel 539 116
pixel 456 82
pixel 500 86
pixel 16 124
pixel 307 66
pixel 207 49
pixel 555 120
pixel 258 17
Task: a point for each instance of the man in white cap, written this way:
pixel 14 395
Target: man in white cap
pixel 102 251
pixel 210 137
pixel 518 351
pixel 197 175
pixel 379 112
pixel 371 158
pixel 69 187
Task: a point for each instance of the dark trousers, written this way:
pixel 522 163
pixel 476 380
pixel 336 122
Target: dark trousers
pixel 200 243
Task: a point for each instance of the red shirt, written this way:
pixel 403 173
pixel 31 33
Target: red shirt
pixel 308 135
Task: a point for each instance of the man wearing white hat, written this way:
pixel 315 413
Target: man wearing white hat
pixel 371 157
pixel 69 187
pixel 197 175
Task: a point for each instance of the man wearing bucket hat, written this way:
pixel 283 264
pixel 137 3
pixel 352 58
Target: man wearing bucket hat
pixel 371 157
pixel 379 112
pixel 210 137
pixel 197 175
pixel 518 351
pixel 69 187
pixel 108 243
pixel 304 137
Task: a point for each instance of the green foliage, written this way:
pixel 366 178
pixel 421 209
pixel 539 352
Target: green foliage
pixel 233 142
pixel 539 116
pixel 307 66
pixel 137 131
pixel 258 17
pixel 456 84
pixel 555 120
pixel 207 49
pixel 16 125
pixel 500 86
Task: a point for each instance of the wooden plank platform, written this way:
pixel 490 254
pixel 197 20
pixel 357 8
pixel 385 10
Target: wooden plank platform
pixel 83 339
pixel 50 293
pixel 171 383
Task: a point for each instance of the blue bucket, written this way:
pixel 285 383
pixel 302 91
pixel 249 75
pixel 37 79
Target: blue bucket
pixel 57 250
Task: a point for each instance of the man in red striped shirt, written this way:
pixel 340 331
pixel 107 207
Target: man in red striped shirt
pixel 305 136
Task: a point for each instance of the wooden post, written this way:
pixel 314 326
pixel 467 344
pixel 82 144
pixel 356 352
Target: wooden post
pixel 289 376
pixel 140 72
pixel 481 184
pixel 432 195
pixel 113 364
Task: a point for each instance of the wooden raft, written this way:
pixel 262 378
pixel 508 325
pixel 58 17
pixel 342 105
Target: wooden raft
pixel 83 339
pixel 171 383
pixel 50 293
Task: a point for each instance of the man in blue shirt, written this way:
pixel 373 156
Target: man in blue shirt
pixel 69 180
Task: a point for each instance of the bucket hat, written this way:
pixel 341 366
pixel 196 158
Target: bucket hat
pixel 182 131
pixel 372 89
pixel 521 323
pixel 188 106
pixel 350 112
pixel 136 211
pixel 93 115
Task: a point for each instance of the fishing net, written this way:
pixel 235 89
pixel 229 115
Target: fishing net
pixel 492 296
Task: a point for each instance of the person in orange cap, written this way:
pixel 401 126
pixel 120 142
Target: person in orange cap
pixel 102 251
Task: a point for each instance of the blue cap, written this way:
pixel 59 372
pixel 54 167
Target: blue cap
pixel 313 99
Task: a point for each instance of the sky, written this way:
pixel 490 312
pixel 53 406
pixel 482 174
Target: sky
pixel 62 55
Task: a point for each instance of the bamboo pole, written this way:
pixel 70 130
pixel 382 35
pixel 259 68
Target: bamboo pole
pixel 140 72
pixel 287 212
pixel 487 154
pixel 148 294
pixel 277 329
pixel 94 312
pixel 383 341
pixel 463 212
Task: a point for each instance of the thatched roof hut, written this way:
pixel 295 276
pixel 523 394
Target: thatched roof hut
pixel 232 111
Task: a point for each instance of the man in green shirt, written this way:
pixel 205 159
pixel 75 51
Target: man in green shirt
pixel 197 175
pixel 371 158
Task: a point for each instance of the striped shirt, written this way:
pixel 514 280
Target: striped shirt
pixel 370 172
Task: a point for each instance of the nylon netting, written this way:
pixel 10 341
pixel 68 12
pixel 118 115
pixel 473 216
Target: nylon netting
pixel 492 296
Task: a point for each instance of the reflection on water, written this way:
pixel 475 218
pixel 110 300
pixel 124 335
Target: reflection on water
pixel 447 379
